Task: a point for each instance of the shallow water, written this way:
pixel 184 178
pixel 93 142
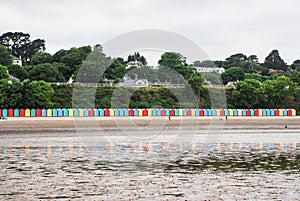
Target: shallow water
pixel 52 168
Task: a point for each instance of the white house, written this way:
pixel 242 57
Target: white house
pixel 133 63
pixel 17 61
pixel 210 69
pixel 127 81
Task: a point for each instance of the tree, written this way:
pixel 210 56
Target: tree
pixel 274 61
pixel 137 57
pixel 172 59
pixel 116 70
pixel 72 59
pixel 248 94
pixel 18 72
pixel 205 63
pixel 196 81
pixel 5 57
pixel 253 58
pixel 255 76
pixel 236 60
pixel 65 70
pixel 233 74
pixel 40 58
pixel 20 45
pixel 278 92
pixel 11 94
pixel 296 65
pixel 214 78
pixel 41 94
pixel 45 72
pixel 3 72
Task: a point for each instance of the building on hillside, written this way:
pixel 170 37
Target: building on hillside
pixel 210 69
pixel 231 84
pixel 133 63
pixel 17 61
pixel 127 81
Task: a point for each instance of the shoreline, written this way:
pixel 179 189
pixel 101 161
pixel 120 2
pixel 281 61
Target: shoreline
pixel 70 124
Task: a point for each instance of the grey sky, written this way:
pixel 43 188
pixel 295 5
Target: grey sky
pixel 220 28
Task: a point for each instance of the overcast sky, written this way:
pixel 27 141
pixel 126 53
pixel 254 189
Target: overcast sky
pixel 220 27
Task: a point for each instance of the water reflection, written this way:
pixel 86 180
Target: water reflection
pixel 150 171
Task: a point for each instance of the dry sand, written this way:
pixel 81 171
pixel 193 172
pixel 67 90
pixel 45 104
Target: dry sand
pixel 44 123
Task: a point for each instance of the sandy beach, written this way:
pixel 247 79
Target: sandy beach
pixel 71 123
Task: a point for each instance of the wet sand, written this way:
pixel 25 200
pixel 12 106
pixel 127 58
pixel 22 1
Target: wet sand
pixel 69 173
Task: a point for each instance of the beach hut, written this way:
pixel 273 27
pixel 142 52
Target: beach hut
pixel 272 112
pixel 281 112
pixel 101 112
pixel 145 112
pixel 285 112
pixel 10 112
pixel 167 112
pixel 158 112
pixel 56 112
pixel 126 112
pixel 38 112
pixel 27 113
pixel 85 112
pixel 131 112
pixel 264 112
pixel 149 112
pixel 65 112
pixel 172 112
pixel 80 112
pixel 32 112
pixel 4 113
pixel 135 112
pixel 70 112
pixel 289 112
pixel 222 112
pixel 184 112
pixel 189 112
pixel 293 112
pixel 44 112
pixel 163 112
pixel 111 112
pixel 201 112
pixel 107 112
pixel 22 113
pixel 75 112
pixel 91 112
pixel 277 112
pixel 179 112
pixel 0 112
pixel 197 112
pixel 96 112
pixel 16 112
pixel 59 112
pixel 49 113
pixel 235 112
pixel 119 112
pixel 140 112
